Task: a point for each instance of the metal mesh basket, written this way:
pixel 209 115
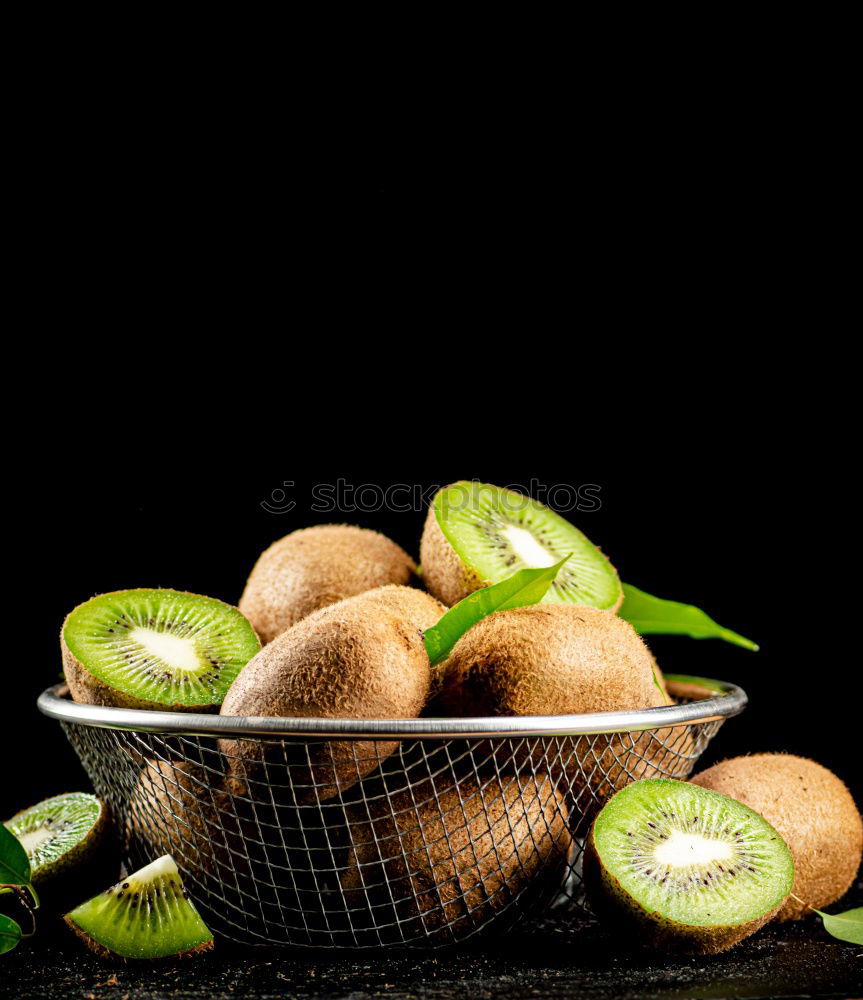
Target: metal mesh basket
pixel 344 833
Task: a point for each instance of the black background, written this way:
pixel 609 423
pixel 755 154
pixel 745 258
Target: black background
pixel 736 539
pixel 640 289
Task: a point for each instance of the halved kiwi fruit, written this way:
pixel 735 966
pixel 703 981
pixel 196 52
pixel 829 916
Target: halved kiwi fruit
pixel 476 535
pixel 60 834
pixel 685 869
pixel 155 649
pixel 146 915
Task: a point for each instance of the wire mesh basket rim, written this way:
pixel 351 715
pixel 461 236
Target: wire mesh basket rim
pixel 723 701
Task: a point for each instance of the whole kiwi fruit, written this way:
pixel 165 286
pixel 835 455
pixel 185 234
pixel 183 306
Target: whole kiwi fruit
pixel 812 810
pixel 558 659
pixel 549 659
pixel 361 658
pixel 315 567
pixel 181 809
pixel 444 858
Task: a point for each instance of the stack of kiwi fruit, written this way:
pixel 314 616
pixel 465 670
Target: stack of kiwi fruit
pixel 331 625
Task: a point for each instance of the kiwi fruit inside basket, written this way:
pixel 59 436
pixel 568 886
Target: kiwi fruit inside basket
pixel 476 534
pixel 361 658
pixel 155 649
pixel 314 567
pixel 443 857
pixel 447 844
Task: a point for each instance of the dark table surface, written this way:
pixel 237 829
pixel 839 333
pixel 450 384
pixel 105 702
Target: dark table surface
pixel 557 960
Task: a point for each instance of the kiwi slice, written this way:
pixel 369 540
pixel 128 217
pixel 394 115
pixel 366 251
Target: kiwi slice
pixel 146 915
pixel 477 535
pixel 155 649
pixel 688 869
pixel 60 833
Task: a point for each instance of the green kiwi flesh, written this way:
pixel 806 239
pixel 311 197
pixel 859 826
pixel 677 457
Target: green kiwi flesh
pixel 477 535
pixel 146 915
pixel 61 833
pixel 688 869
pixel 155 649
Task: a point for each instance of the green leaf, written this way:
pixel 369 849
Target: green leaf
pixel 527 586
pixel 14 863
pixel 10 933
pixel 847 926
pixel 652 615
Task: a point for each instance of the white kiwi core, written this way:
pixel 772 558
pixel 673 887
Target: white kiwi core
pixel 180 653
pixel 682 850
pixel 33 838
pixel 527 548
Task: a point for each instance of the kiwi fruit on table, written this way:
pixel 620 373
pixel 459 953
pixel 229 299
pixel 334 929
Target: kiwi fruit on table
pixel 476 535
pixel 680 868
pixel 155 649
pixel 812 810
pixel 314 567
pixel 147 915
pixel 67 839
pixel 444 858
pixel 361 658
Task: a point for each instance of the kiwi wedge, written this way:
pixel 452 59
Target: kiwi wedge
pixel 155 649
pixel 686 869
pixel 814 812
pixel 146 915
pixel 60 834
pixel 314 567
pixel 476 535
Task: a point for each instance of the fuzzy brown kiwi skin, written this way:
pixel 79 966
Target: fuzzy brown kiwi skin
pixel 315 567
pixel 87 689
pixel 812 810
pixel 228 846
pixel 357 659
pixel 557 659
pixel 619 910
pixel 449 857
pixel 445 575
pixel 550 659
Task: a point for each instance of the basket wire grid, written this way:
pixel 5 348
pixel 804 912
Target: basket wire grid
pixel 425 833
